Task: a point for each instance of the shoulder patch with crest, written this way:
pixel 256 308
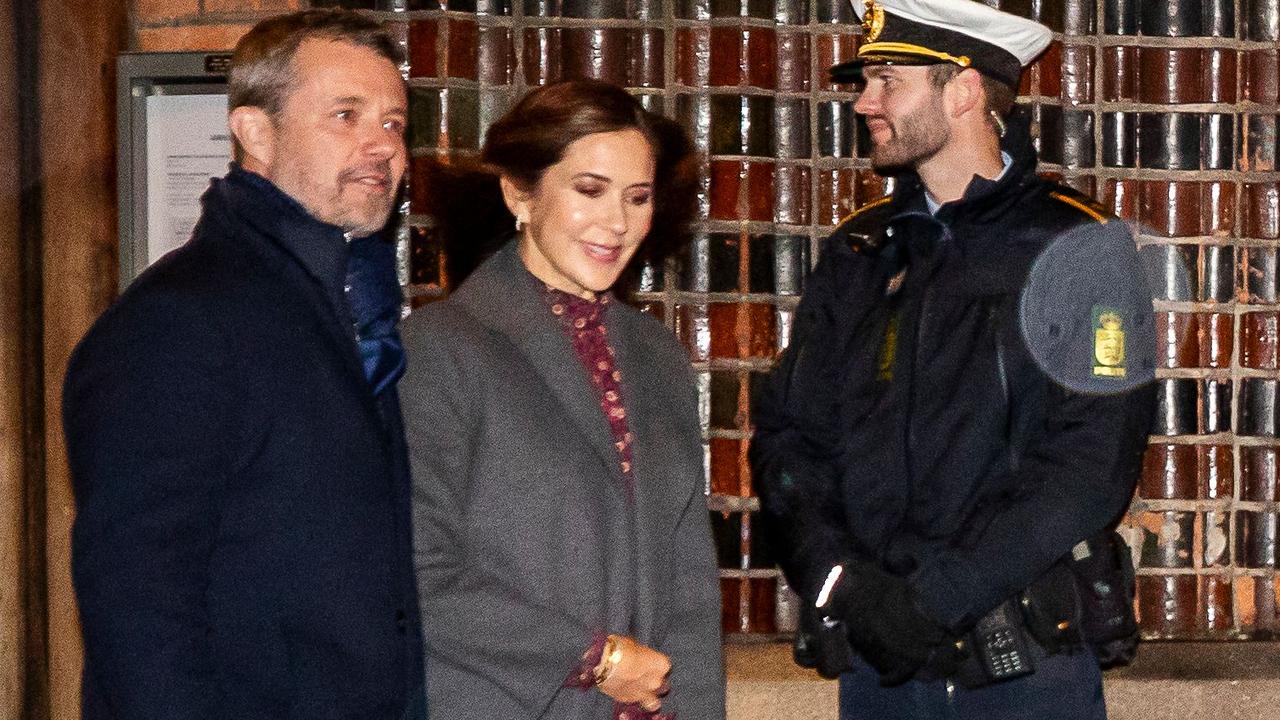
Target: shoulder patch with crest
pixel 1108 342
pixel 1086 311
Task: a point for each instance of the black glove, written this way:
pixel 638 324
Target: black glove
pixel 821 646
pixel 885 627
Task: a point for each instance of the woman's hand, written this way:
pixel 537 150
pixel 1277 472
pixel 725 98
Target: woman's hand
pixel 634 673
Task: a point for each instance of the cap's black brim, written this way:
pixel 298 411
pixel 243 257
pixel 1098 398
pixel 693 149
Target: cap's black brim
pixel 850 72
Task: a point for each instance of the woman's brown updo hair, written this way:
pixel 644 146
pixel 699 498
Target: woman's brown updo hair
pixel 466 201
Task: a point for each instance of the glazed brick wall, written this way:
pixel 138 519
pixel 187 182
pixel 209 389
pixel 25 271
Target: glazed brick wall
pixel 1164 111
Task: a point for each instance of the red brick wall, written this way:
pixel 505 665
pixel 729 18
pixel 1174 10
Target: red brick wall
pixel 198 24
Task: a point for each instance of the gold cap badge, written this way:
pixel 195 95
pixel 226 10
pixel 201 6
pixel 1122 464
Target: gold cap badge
pixel 872 21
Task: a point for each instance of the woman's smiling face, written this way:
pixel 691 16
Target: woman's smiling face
pixel 589 212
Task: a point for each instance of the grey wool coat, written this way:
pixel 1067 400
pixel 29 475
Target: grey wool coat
pixel 525 545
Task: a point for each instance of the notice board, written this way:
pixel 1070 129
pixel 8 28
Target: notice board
pixel 172 139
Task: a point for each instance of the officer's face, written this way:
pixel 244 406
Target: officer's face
pixel 904 114
pixel 338 142
pixel 589 212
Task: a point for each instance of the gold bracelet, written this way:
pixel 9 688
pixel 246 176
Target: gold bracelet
pixel 609 658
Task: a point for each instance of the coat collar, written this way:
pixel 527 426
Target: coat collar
pixel 504 296
pixel 977 263
pixel 983 198
pixel 248 206
pixel 244 197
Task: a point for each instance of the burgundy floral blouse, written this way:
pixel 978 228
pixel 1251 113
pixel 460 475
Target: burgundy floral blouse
pixel 584 322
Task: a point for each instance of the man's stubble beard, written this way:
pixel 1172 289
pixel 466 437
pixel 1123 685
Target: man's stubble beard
pixel 914 139
pixel 364 216
pixel 376 207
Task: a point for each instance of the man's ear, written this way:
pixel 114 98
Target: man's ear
pixel 256 133
pixel 517 200
pixel 964 93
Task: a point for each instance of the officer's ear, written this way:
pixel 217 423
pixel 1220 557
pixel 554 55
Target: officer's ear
pixel 964 94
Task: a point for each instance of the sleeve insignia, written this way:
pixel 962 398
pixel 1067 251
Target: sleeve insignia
pixel 1108 342
pixel 888 350
pixel 863 208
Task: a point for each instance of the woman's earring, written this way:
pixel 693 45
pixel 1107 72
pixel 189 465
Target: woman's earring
pixel 519 224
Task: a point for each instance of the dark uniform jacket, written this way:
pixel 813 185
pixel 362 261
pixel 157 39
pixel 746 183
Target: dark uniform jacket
pixel 241 548
pixel 907 423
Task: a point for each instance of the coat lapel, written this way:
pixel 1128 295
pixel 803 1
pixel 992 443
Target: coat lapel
pixel 668 463
pixel 664 477
pixel 504 296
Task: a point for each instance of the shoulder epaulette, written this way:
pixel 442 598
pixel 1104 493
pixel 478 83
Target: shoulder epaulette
pixel 1087 206
pixel 873 204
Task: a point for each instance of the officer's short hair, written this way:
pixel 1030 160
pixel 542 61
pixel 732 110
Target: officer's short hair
pixel 262 64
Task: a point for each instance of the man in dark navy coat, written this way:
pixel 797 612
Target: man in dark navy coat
pixel 241 548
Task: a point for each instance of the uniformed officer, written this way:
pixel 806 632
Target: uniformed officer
pixel 964 403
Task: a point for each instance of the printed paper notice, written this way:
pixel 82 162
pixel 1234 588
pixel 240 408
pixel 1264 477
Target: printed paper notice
pixel 187 143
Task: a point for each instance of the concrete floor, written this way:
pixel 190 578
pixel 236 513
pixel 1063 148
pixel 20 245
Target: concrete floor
pixel 1169 681
pixel 765 685
pixel 1218 681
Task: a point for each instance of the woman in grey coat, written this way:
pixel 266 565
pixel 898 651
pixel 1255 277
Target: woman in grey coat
pixel 564 559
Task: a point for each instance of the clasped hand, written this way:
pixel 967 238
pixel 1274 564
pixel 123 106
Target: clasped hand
pixel 639 677
pixel 883 626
